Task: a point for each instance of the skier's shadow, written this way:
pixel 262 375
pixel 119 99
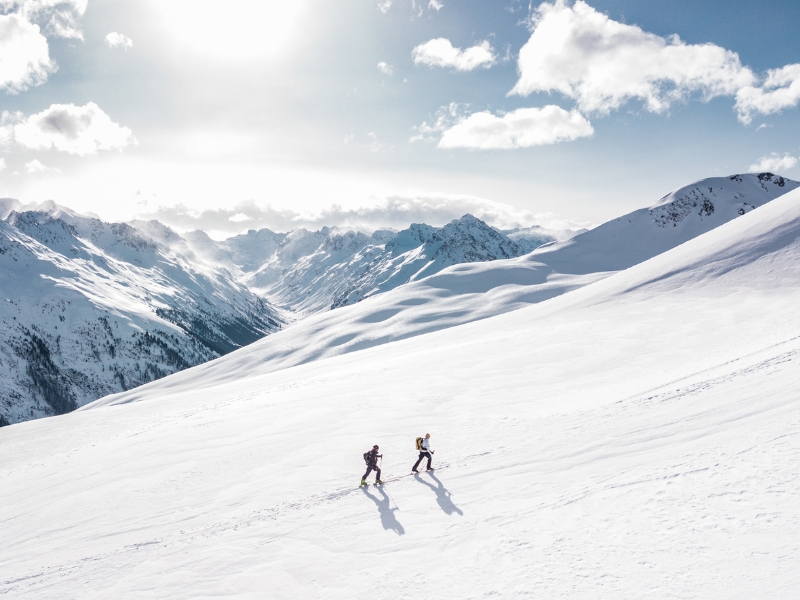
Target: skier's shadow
pixel 442 495
pixel 388 520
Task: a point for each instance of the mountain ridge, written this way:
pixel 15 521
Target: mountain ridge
pixel 308 272
pixel 98 308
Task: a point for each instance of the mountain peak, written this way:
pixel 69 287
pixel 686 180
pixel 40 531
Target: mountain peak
pixel 679 216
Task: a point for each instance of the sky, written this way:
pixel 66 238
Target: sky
pixel 238 114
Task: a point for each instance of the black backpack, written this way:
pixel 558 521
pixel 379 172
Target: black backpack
pixel 368 457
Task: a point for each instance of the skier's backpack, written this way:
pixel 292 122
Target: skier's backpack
pixel 419 443
pixel 367 457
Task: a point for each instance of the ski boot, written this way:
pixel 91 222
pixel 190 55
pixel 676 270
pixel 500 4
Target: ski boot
pixel 378 481
pixel 364 481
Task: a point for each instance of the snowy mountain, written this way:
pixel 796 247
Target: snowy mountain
pixel 92 308
pixel 633 438
pixel 469 292
pixel 531 238
pixel 676 218
pixel 306 272
pixel 112 306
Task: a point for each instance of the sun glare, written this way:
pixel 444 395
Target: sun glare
pixel 232 29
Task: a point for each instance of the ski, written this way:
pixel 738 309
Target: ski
pixel 399 477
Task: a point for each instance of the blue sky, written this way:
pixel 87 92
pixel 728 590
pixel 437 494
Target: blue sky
pixel 238 114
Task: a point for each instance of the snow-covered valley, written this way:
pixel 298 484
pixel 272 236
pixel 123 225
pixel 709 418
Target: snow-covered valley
pixel 636 437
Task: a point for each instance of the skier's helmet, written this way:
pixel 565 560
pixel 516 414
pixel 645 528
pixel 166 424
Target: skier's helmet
pixel 375 447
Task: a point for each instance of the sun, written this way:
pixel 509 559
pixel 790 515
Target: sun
pixel 232 29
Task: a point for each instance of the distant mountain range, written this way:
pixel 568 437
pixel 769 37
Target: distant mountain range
pixel 90 308
pixel 305 272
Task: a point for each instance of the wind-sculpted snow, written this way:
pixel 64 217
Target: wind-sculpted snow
pixel 91 308
pixel 635 438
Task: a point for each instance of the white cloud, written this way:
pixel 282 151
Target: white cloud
pixel 24 54
pixel 602 63
pixel 446 117
pixel 440 52
pixel 35 166
pixel 384 6
pixel 385 68
pixel 437 6
pixel 375 145
pixel 773 163
pixel 395 212
pixel 68 128
pixel 3 165
pixel 521 128
pixel 781 89
pixel 58 18
pixel 117 40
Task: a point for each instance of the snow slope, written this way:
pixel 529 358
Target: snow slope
pixel 90 308
pixel 633 438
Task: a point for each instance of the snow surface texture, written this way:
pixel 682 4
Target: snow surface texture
pixel 469 292
pixel 90 308
pixel 633 438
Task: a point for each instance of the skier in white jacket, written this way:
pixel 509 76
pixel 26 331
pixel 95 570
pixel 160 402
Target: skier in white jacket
pixel 424 452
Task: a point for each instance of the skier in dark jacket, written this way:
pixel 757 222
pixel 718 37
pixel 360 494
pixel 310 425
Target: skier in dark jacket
pixel 371 459
pixel 424 451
